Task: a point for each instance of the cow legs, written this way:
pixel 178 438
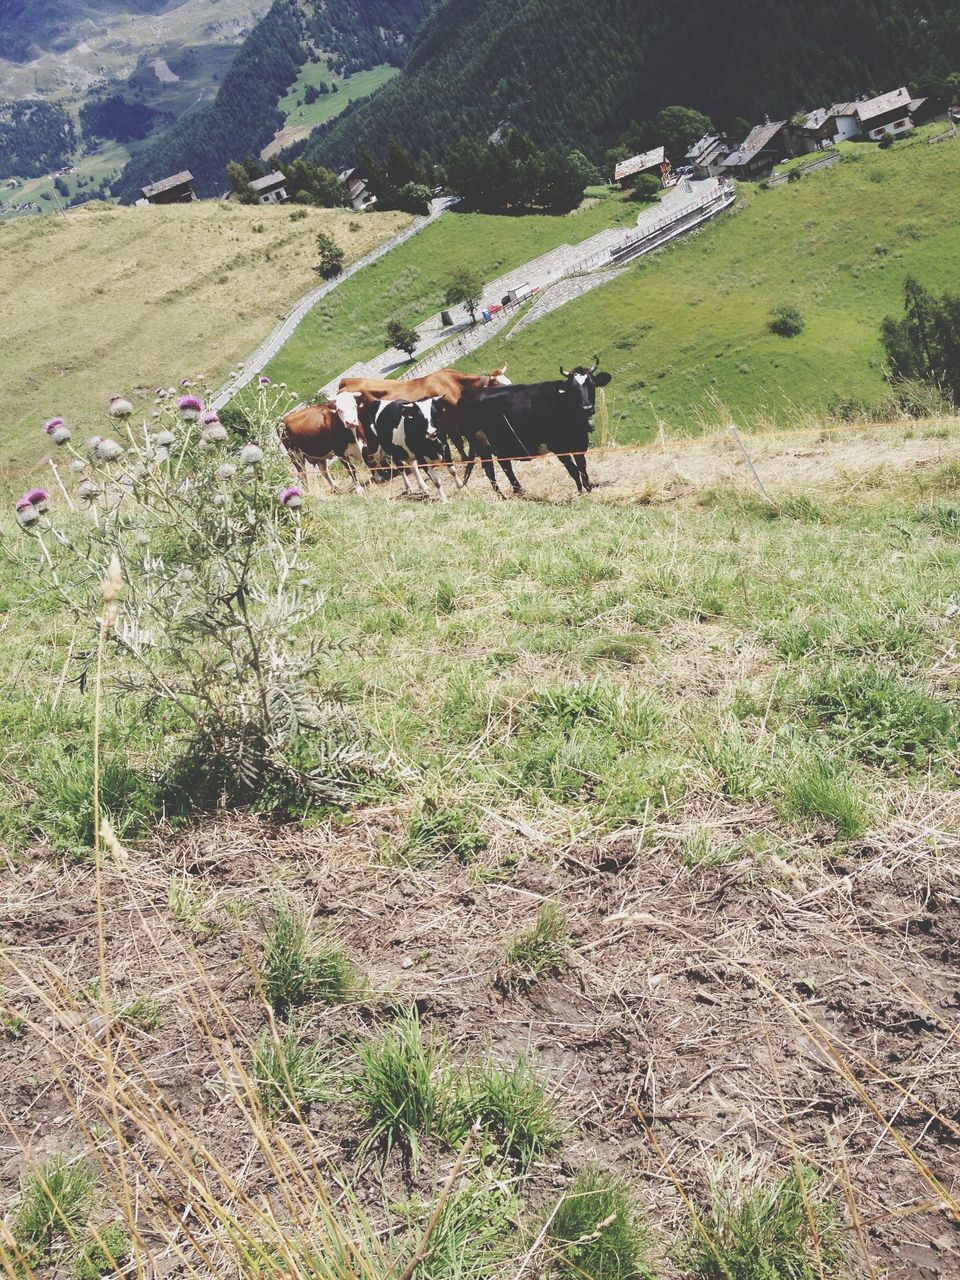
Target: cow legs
pixel 419 478
pixel 325 468
pixel 506 466
pixel 435 479
pixel 574 470
pixel 581 460
pixel 353 474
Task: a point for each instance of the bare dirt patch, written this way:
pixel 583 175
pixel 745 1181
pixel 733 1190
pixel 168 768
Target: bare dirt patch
pixel 792 1007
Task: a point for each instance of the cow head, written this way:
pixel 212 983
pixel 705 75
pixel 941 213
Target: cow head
pixel 581 386
pixel 348 407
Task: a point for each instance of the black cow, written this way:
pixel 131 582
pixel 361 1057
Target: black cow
pixel 406 437
pixel 542 417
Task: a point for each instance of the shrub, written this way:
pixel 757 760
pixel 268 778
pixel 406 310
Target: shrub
pixel 56 1201
pixel 104 1254
pixel 512 1107
pixel 881 718
pixel 647 188
pixel 794 176
pixel 300 966
pixel 596 1233
pixel 437 833
pixel 187 546
pixel 780 1230
pixel 289 1078
pixel 537 952
pixel 786 321
pixel 330 257
pixel 403 1087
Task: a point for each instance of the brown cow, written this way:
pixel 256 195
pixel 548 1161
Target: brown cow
pixel 446 386
pixel 317 434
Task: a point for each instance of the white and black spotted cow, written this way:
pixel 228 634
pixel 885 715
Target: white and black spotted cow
pixel 408 439
pixel 526 420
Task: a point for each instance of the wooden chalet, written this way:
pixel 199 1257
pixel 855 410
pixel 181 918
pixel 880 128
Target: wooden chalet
pixel 179 189
pixel 764 147
pixel 706 157
pixel 270 189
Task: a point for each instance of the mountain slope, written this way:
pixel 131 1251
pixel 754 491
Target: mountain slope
pixel 576 72
pixel 244 117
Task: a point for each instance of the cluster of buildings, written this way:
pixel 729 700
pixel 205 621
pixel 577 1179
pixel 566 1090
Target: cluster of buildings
pixel 865 120
pixel 181 189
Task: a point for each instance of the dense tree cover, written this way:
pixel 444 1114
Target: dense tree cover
pixel 117 118
pixel 245 114
pixel 35 137
pixel 924 346
pixel 242 118
pixel 497 177
pixel 365 33
pixel 570 72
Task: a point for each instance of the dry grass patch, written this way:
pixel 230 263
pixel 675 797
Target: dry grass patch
pixel 119 298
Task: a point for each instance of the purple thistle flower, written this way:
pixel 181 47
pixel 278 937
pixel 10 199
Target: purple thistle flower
pixel 39 497
pixel 27 513
pixel 265 382
pixel 184 382
pixel 160 391
pixel 51 426
pixel 190 408
pixel 291 498
pixel 210 417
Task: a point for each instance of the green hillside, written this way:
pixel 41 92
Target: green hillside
pixel 687 328
pixel 409 282
pixel 570 72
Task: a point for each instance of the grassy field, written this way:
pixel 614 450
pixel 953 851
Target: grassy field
pixel 685 332
pixel 410 282
pixel 126 299
pixel 302 117
pixel 651 872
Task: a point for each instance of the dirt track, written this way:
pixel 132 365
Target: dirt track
pixel 673 470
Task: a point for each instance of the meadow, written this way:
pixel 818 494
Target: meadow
pixel 627 954
pixel 120 297
pixel 300 116
pixel 686 331
pixel 410 282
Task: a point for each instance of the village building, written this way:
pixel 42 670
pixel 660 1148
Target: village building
pixel 765 146
pixel 648 162
pixel 706 157
pixel 887 114
pixel 271 189
pixel 359 195
pixel 176 190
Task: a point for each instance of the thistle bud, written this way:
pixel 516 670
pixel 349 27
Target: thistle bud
pixel 251 455
pixel 119 407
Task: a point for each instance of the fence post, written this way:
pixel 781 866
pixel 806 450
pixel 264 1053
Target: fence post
pixel 743 449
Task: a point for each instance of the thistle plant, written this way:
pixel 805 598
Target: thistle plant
pixel 212 636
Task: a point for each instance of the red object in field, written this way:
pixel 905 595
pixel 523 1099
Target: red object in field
pixel 494 308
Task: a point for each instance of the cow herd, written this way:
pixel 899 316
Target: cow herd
pixel 408 427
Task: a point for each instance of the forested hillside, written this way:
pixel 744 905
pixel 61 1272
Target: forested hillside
pixel 34 138
pixel 245 114
pixel 576 72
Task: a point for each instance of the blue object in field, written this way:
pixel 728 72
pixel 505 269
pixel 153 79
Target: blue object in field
pixel 487 317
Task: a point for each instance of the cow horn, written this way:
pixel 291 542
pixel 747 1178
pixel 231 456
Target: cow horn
pixel 563 372
pixel 596 364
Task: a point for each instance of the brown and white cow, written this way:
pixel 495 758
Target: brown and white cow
pixel 445 388
pixel 318 434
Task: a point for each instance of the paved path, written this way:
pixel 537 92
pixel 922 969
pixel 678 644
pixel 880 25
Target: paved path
pixel 281 334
